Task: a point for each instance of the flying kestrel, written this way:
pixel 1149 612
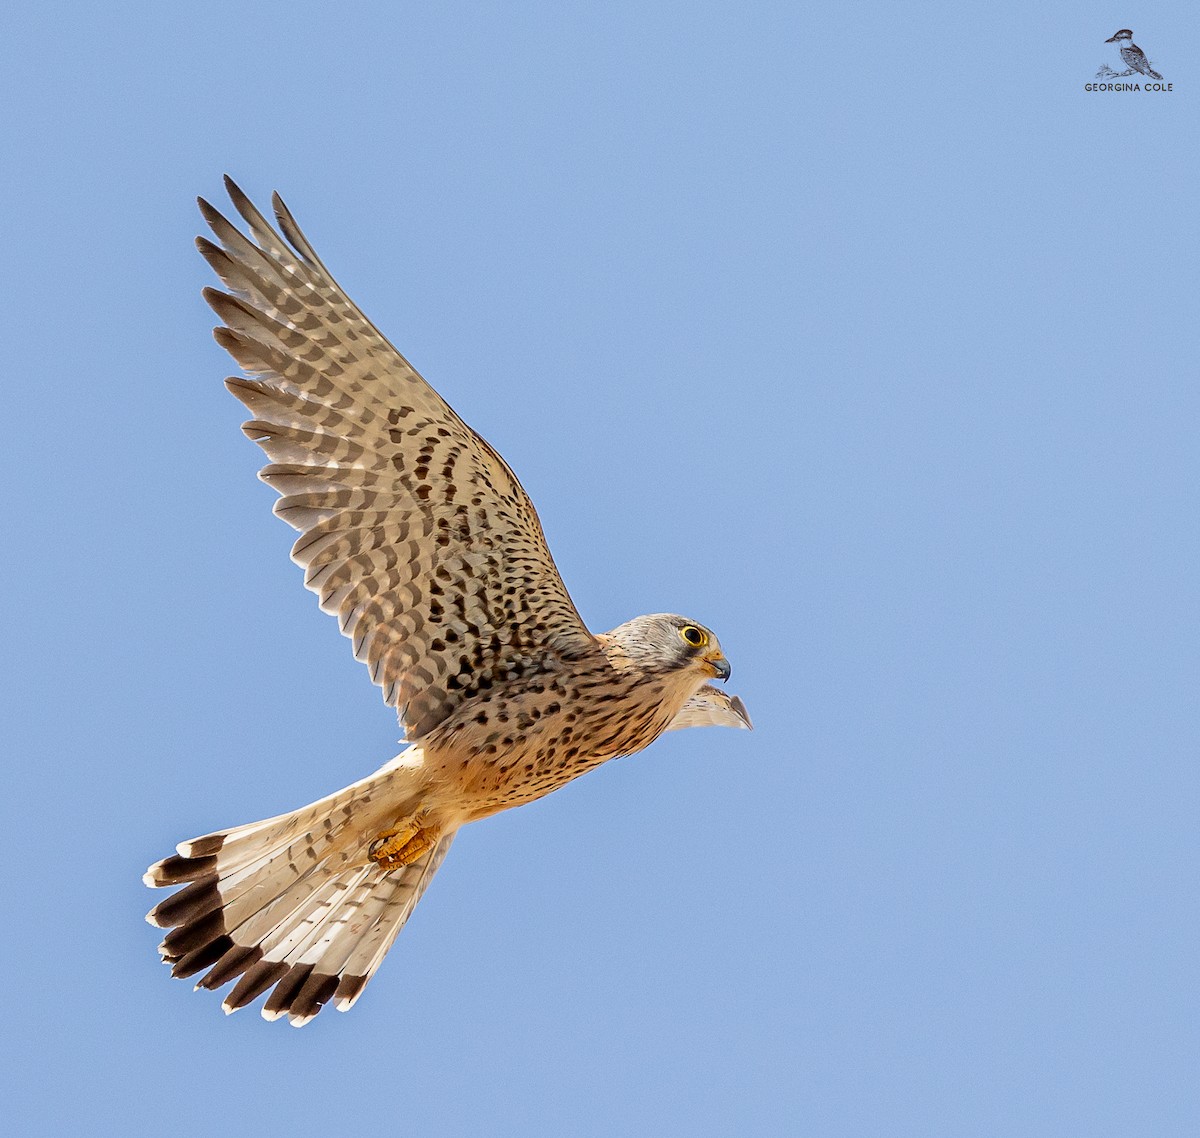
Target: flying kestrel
pixel 418 537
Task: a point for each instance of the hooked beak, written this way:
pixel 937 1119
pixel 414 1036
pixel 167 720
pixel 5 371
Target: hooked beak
pixel 720 666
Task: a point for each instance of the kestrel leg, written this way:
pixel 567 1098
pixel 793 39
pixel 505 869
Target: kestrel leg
pixel 403 844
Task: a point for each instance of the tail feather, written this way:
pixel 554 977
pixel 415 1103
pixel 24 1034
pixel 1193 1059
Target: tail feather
pixel 314 935
pixel 366 952
pixel 291 903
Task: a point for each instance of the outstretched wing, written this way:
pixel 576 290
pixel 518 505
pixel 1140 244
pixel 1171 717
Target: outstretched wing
pixel 413 530
pixel 712 707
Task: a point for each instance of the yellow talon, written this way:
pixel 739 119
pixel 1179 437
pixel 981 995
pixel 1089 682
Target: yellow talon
pixel 401 846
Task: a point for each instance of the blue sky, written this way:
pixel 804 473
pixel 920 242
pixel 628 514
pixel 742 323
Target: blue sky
pixel 865 336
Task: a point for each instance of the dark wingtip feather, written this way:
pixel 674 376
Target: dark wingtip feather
pixel 293 232
pixel 256 980
pixel 347 991
pixel 237 312
pixel 267 238
pixel 201 847
pixel 286 988
pixel 311 998
pixel 210 213
pixel 177 870
pixel 218 260
pixel 187 938
pixel 246 389
pixel 242 203
pixel 213 297
pixel 234 190
pixel 193 901
pixel 252 354
pixel 236 960
pixel 200 958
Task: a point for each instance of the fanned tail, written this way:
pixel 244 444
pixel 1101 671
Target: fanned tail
pixel 291 902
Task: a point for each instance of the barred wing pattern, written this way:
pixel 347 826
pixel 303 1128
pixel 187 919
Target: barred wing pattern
pixel 414 531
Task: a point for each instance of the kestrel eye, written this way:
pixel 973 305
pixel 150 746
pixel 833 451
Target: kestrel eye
pixel 694 636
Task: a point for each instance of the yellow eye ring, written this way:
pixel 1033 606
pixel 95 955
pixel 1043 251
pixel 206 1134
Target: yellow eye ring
pixel 693 637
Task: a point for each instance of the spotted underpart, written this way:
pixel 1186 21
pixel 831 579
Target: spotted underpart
pixel 419 538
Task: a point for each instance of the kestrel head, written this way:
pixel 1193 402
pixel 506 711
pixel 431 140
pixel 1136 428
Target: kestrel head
pixel 664 642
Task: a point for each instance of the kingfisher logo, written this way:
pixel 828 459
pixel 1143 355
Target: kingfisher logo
pixel 1133 65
